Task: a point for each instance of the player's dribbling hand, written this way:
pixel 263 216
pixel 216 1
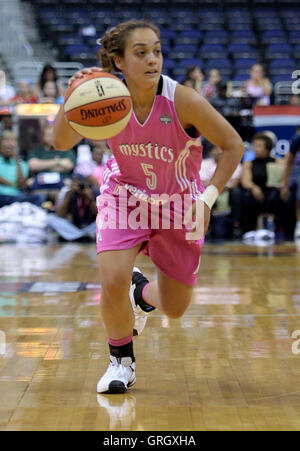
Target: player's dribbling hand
pixel 82 72
pixel 200 224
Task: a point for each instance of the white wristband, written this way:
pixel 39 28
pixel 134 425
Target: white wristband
pixel 209 196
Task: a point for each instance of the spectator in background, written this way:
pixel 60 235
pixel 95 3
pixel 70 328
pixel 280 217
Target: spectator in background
pixel 29 131
pixel 6 91
pixel 14 173
pixel 227 106
pixel 49 74
pixel 6 120
pixel 194 78
pixel 77 203
pixel 210 89
pixel 51 168
pixel 209 165
pixel 258 197
pixel 50 94
pixel 93 170
pixel 291 177
pixel 258 87
pixel 250 155
pixel 231 195
pixel 24 94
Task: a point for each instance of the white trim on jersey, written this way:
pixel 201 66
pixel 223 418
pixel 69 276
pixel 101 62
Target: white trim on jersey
pixel 180 165
pixel 169 87
pixel 180 169
pixel 108 172
pixel 107 175
pixel 194 190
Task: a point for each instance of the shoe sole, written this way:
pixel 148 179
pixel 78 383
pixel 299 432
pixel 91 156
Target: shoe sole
pixel 117 387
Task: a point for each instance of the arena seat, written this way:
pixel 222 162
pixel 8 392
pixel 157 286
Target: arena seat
pixel 190 33
pixel 76 49
pixel 242 65
pixel 242 51
pixel 296 52
pixel 188 62
pixel 273 37
pixel 168 64
pixel 216 37
pixel 294 37
pixel 265 13
pixel 244 32
pixel 278 50
pixel 241 77
pixel 243 37
pixel 222 64
pixel 185 48
pixel 167 33
pixel 238 26
pixel 212 51
pixel 179 73
pixel 281 66
pixel 282 77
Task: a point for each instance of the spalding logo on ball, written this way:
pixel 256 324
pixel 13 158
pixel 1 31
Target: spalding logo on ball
pixel 98 105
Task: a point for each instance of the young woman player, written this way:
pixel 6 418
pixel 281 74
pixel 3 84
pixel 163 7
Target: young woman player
pixel 164 159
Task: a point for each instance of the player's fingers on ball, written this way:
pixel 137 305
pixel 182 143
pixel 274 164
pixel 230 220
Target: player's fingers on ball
pixel 82 72
pixel 89 70
pixel 74 77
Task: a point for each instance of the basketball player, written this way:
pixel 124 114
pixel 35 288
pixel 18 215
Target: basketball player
pixel 165 160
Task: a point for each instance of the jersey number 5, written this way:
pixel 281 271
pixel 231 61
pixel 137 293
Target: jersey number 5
pixel 151 179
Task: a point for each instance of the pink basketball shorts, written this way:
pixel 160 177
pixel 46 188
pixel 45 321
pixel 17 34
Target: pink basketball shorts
pixel 167 247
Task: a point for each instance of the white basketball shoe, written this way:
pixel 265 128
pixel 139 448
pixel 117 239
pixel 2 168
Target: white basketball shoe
pixel 119 376
pixel 140 314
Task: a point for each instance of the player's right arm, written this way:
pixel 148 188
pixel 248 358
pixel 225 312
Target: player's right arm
pixel 64 137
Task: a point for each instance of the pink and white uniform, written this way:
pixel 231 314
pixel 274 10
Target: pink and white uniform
pixel 153 158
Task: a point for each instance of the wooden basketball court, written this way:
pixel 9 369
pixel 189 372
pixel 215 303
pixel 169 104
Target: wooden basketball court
pixel 228 364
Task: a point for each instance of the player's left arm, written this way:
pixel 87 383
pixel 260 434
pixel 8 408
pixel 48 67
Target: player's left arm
pixel 193 109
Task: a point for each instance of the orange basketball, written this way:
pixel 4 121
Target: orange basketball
pixel 98 105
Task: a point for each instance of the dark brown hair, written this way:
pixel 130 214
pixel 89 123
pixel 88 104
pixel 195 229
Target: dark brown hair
pixel 113 42
pixel 266 139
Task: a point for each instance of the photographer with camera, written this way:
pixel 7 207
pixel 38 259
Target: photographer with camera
pixel 77 203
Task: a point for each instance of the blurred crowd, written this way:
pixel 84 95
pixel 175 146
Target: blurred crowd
pixel 264 191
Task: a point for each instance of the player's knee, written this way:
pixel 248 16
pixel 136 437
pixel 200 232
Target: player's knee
pixel 175 306
pixel 174 313
pixel 115 289
pixel 175 310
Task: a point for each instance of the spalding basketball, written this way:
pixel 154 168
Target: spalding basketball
pixel 98 105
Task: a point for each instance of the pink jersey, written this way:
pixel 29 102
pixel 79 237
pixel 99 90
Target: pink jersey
pixel 157 156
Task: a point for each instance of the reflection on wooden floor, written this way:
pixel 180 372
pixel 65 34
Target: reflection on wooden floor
pixel 226 365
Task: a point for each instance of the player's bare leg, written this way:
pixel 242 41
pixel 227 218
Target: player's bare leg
pixel 115 277
pixel 171 297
